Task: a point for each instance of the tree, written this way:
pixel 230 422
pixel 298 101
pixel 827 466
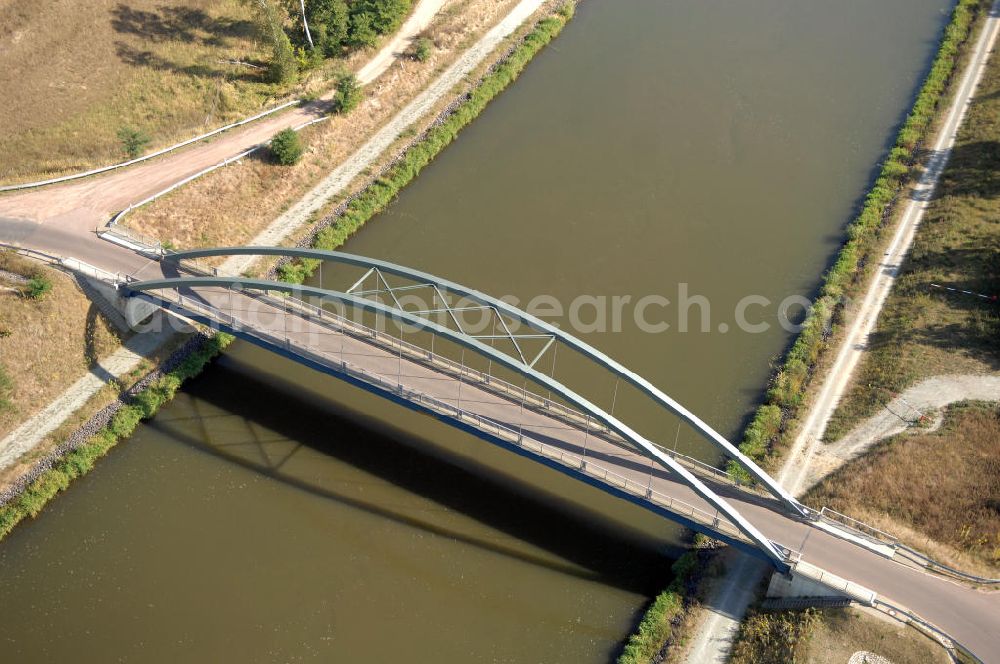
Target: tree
pixel 283 68
pixel 286 147
pixel 348 94
pixel 133 141
pixel 362 31
pixel 386 15
pixel 305 23
pixel 331 21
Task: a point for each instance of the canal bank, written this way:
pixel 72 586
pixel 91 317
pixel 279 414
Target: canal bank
pixel 489 156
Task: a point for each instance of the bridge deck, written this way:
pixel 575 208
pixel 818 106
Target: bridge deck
pixel 559 437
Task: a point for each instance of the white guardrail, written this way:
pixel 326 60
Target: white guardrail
pixel 114 224
pixel 152 155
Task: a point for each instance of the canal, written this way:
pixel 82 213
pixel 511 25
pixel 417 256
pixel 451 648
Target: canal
pixel 677 148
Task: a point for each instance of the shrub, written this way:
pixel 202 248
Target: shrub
pixel 283 68
pixel 654 629
pixel 286 147
pixel 133 141
pixel 348 94
pixel 422 49
pixel 38 287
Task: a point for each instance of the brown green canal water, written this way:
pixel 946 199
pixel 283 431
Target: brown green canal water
pixel 273 514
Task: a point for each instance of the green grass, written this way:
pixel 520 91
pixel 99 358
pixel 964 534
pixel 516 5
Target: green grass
pixel 38 287
pixel 80 461
pixel 764 437
pixel 656 627
pixel 374 198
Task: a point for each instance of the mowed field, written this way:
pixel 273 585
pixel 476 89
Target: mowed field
pixel 73 72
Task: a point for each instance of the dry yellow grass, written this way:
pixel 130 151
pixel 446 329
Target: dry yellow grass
pixel 74 71
pixel 830 636
pixel 47 345
pixel 51 342
pixel 231 205
pixel 941 487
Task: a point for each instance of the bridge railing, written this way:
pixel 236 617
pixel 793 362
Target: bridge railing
pixel 858 527
pixel 494 384
pixel 391 384
pixel 500 385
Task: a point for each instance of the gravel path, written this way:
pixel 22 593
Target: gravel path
pixel 900 414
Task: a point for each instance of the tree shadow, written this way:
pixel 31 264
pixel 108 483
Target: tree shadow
pixel 140 58
pixel 184 25
pixel 179 24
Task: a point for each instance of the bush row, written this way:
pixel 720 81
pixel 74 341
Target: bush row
pixel 654 628
pixel 377 195
pixel 80 460
pixel 787 389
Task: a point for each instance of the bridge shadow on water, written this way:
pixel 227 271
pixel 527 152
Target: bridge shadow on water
pixel 595 547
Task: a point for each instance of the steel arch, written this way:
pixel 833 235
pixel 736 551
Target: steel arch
pixel 773 553
pixel 711 435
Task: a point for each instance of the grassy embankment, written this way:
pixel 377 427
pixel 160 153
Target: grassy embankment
pixel 656 629
pixel 76 71
pixel 937 491
pixel 774 422
pixel 915 485
pixel 923 331
pixel 829 636
pixel 381 192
